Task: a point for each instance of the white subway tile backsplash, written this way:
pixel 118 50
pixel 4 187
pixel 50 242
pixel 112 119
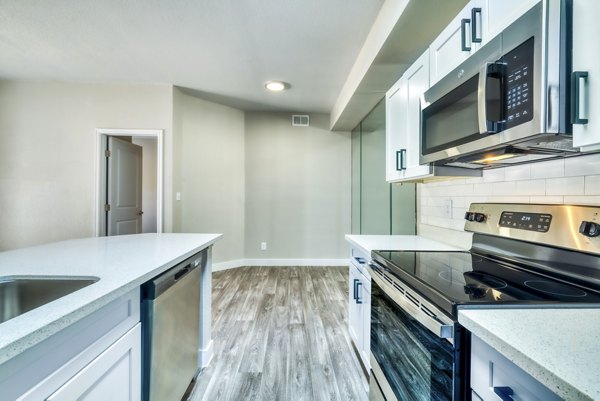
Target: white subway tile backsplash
pixel 483 189
pixel 582 200
pixel 494 175
pixel 531 187
pixel 582 165
pixel 565 186
pixel 504 188
pixel 592 185
pixel 573 180
pixel 552 168
pixel 557 200
pixel 522 172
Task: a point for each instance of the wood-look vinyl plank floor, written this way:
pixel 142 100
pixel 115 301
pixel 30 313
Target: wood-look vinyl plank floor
pixel 281 334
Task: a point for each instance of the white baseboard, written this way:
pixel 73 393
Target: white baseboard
pixel 232 264
pixel 278 262
pixel 205 355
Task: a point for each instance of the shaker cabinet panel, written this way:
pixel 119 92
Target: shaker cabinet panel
pixel 586 75
pixel 461 38
pixel 114 375
pixel 501 14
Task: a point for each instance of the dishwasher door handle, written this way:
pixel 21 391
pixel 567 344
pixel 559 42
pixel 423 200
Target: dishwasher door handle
pixel 182 272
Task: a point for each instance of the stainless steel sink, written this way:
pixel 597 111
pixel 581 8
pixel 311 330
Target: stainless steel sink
pixel 22 294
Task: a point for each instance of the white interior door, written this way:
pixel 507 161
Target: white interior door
pixel 124 188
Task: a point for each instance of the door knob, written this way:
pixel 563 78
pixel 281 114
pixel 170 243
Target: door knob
pixel 140 213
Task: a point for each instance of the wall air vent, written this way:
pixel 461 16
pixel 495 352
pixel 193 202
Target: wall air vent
pixel 300 120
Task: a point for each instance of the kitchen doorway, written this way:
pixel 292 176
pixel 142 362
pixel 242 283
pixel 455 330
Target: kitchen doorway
pixel 151 144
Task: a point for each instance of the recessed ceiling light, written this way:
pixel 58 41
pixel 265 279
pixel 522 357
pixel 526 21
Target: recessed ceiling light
pixel 277 86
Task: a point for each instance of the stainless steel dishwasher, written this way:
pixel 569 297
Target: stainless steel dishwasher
pixel 170 327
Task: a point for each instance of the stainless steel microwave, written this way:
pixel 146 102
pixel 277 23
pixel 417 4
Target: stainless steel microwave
pixel 509 102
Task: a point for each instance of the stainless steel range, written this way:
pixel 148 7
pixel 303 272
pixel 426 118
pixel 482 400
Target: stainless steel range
pixel 522 254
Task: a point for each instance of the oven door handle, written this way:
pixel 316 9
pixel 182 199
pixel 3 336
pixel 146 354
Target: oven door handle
pixel 411 303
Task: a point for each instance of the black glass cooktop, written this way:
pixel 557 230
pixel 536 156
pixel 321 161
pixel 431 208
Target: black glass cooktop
pixel 449 279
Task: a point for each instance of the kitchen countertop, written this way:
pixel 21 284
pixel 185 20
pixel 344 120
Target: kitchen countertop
pixel 557 346
pixel 368 243
pixel 122 263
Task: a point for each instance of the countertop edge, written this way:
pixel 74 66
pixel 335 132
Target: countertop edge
pixel 11 349
pixel 549 379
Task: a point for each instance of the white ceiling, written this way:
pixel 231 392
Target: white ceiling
pixel 223 50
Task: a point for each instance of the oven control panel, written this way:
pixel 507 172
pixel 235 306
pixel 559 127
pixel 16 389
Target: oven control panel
pixel 526 221
pixel 574 227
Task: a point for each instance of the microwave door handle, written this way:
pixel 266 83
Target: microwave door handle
pixel 481 99
pixel 498 71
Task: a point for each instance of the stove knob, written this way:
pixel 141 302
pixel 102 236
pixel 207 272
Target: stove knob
pixel 589 229
pixel 470 216
pixel 479 217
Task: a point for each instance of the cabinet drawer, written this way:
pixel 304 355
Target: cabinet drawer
pixel 492 374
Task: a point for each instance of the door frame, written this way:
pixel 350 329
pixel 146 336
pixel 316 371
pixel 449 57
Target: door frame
pixel 102 135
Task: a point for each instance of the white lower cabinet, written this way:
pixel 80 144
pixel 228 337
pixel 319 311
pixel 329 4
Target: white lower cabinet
pixel 494 377
pixel 96 358
pixel 114 375
pixel 359 308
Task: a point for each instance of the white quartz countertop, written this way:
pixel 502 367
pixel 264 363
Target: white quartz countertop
pixel 122 263
pixel 558 347
pixel 368 243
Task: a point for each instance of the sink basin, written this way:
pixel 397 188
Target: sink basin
pixel 22 294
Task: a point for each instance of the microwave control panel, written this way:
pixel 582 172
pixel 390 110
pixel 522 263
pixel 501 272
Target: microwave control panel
pixel 519 84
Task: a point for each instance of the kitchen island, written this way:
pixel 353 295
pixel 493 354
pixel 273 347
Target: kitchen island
pixel 121 264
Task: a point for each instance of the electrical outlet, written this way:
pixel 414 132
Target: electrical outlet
pixel 178 196
pixel 448 208
pixel 263 246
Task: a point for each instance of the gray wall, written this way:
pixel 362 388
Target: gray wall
pixel 212 173
pixel 47 153
pixel 297 188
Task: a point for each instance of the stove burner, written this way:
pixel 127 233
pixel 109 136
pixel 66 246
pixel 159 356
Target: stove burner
pixel 553 288
pixel 487 279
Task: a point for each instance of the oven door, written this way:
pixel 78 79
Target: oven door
pixel 415 352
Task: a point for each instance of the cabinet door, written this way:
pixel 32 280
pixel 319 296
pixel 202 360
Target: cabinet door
pixel 501 14
pixel 461 38
pixel 395 139
pixel 417 82
pixel 353 310
pixel 366 325
pixel 114 375
pixel 586 131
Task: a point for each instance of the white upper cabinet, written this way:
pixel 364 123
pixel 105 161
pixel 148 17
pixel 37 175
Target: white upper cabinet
pixel 461 38
pixel 586 75
pixel 395 143
pixel 501 13
pixel 472 28
pixel 403 123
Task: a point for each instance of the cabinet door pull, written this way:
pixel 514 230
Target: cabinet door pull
pixel 463 34
pixel 358 300
pixel 576 78
pixel 356 282
pixel 401 160
pixel 476 13
pixel 504 393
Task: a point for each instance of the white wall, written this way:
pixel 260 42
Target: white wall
pixel 47 152
pixel 297 188
pixel 574 180
pixel 212 173
pixel 149 182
